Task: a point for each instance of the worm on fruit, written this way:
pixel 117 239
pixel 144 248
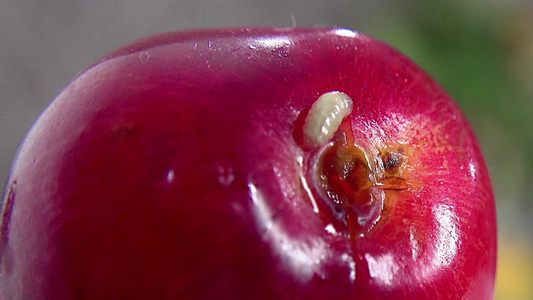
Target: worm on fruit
pixel 325 117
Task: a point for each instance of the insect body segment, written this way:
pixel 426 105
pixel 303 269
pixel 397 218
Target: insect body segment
pixel 325 117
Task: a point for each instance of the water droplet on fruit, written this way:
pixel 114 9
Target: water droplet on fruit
pixel 225 174
pixel 472 169
pixel 331 229
pixel 144 57
pixel 300 160
pixel 401 76
pixel 348 259
pixel 171 176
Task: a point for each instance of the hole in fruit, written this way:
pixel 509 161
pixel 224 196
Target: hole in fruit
pixel 344 175
pixel 353 182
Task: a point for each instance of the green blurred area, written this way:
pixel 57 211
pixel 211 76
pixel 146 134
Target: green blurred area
pixel 482 54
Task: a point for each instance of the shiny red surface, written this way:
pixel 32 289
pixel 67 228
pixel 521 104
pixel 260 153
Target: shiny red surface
pixel 172 170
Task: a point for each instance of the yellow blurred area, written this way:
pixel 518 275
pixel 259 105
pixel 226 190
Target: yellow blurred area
pixel 515 271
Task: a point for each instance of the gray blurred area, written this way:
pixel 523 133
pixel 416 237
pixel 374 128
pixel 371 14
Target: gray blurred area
pixel 44 44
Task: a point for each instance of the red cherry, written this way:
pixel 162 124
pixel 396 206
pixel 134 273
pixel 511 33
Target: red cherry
pixel 191 165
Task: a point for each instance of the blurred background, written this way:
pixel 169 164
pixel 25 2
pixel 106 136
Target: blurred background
pixel 480 51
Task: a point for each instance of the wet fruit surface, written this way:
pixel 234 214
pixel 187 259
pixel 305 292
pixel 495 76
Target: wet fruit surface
pixel 354 186
pixel 175 168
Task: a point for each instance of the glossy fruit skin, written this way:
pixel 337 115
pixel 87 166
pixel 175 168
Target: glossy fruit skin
pixel 171 169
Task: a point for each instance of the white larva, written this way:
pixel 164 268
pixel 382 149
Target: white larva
pixel 325 117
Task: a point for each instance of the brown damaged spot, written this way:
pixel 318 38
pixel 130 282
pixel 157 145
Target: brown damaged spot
pixel 361 184
pixel 393 160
